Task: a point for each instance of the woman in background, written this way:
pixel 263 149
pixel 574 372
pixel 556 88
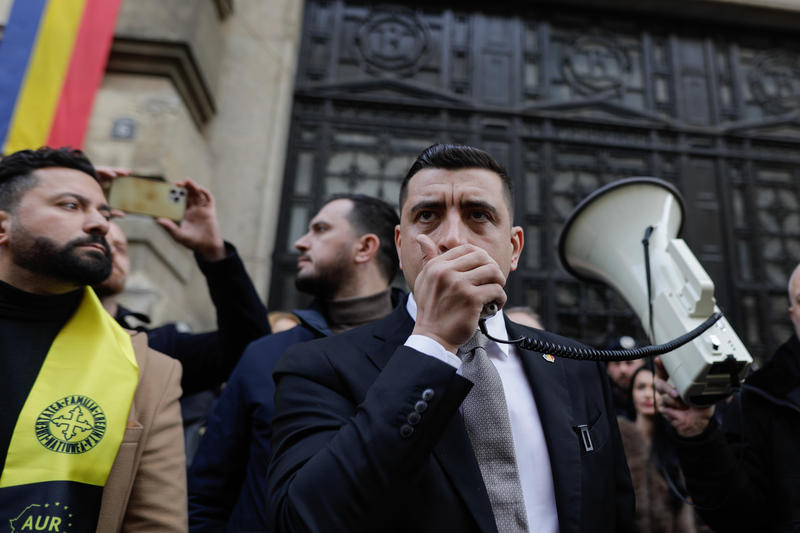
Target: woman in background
pixel 658 509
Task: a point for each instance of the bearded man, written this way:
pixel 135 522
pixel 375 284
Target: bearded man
pixel 347 260
pixel 90 433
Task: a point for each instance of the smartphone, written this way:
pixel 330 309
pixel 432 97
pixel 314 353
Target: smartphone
pixel 147 196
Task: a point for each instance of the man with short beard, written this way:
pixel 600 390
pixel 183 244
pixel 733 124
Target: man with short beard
pixel 347 260
pixel 90 432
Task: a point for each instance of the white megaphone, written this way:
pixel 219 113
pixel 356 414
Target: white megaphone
pixel 603 241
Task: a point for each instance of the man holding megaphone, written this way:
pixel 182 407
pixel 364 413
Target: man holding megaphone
pixel 417 423
pixel 745 475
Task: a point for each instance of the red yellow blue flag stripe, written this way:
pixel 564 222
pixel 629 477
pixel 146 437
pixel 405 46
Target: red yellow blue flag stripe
pixel 19 37
pixel 52 58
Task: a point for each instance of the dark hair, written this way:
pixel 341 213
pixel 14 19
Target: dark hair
pixel 373 215
pixel 456 157
pixel 16 170
pixel 648 365
pixel 662 451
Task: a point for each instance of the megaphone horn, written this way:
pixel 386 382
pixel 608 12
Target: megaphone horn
pixel 602 238
pixel 626 235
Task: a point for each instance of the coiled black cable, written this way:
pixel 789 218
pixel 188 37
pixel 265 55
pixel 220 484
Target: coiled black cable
pixel 592 354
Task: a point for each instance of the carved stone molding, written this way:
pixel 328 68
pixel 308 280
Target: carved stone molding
pixel 392 40
pixel 595 65
pixel 775 82
pixel 172 60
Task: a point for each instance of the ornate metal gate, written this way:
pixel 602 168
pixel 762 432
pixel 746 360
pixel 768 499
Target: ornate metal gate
pixel 568 102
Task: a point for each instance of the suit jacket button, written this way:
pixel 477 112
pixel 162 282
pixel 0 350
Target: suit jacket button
pixel 414 418
pixel 406 431
pixel 420 406
pixel 427 395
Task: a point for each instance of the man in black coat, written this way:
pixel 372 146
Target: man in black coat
pixel 745 475
pixel 367 434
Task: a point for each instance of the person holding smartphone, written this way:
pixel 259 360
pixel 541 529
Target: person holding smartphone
pixel 207 358
pixel 90 434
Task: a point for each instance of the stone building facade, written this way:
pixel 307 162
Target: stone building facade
pixel 200 89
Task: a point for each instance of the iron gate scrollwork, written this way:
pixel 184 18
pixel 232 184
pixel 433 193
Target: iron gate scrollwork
pixel 568 103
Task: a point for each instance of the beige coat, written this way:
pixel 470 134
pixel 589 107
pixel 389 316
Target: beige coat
pixel 146 489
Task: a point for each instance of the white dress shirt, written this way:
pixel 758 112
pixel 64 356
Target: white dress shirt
pixel 533 460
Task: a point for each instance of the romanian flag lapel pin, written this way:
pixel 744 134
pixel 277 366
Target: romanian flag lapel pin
pixel 549 358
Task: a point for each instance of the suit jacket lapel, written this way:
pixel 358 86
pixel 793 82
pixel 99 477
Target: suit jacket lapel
pixel 389 333
pixel 453 451
pixel 551 392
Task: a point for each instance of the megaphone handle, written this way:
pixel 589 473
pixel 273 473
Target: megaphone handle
pixel 489 310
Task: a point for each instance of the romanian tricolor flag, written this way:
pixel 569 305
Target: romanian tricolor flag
pixel 52 58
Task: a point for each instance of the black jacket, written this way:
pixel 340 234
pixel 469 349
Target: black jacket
pixel 746 476
pixel 345 460
pixel 208 358
pixel 228 477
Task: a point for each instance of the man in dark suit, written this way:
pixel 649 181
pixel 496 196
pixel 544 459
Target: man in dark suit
pixel 368 433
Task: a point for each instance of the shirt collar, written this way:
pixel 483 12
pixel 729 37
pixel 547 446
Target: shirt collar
pixel 496 326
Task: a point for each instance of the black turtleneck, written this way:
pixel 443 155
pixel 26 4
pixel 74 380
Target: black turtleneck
pixel 28 325
pixel 347 313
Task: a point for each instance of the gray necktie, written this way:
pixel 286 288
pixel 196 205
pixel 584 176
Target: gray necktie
pixel 489 429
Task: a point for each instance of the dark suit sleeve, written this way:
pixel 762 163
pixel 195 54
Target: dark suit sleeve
pixel 726 478
pixel 209 358
pixel 198 353
pixel 219 467
pixel 338 452
pixel 241 316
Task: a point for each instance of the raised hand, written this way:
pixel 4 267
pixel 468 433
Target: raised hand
pixel 199 229
pixel 688 421
pixel 451 290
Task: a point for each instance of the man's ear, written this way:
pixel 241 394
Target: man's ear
pixel 367 247
pixel 517 242
pixel 5 224
pixel 398 241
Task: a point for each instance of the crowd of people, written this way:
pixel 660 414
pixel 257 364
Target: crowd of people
pixel 370 410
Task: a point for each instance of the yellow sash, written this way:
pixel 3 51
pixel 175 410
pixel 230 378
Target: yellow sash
pixel 74 418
